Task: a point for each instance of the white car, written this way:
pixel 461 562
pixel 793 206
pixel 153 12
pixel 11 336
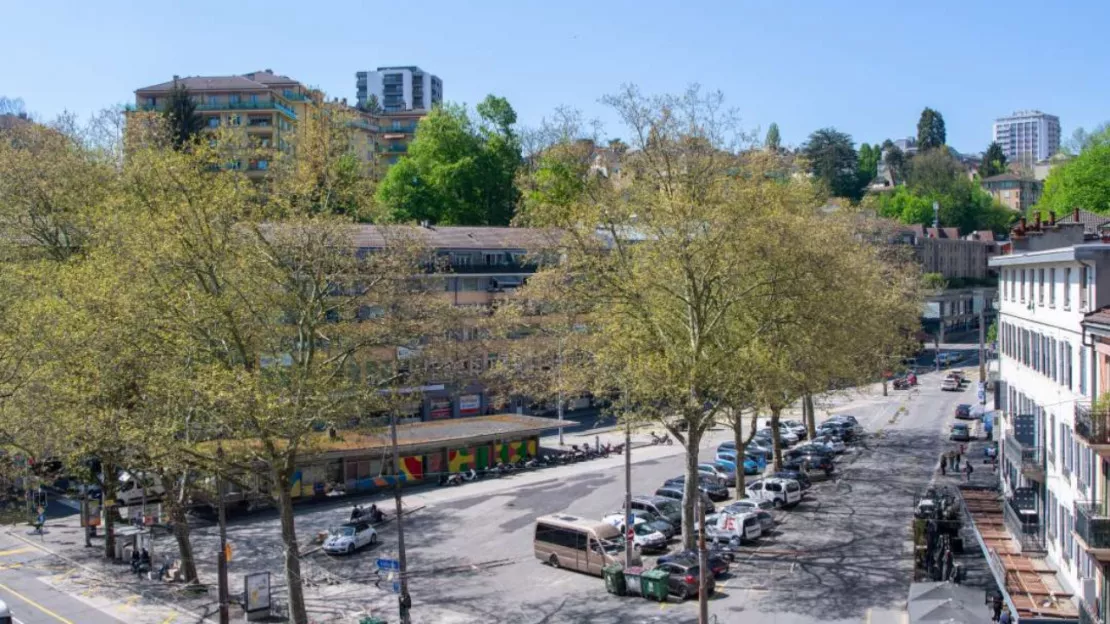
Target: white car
pixel 349 537
pixel 781 492
pixel 950 384
pixel 832 444
pixel 646 538
pixel 787 437
pixel 796 428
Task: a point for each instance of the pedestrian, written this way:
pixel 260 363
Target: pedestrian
pixel 943 464
pixel 996 606
pixel 1005 617
pixel 969 470
pixel 956 462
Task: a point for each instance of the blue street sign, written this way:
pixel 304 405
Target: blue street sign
pixel 389 564
pixel 396 587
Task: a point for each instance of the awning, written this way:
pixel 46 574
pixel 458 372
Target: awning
pixel 945 602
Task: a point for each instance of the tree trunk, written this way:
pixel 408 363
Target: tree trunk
pixel 738 439
pixel 184 543
pixel 776 439
pixel 811 415
pixel 692 497
pixel 108 494
pixel 292 551
pixel 884 384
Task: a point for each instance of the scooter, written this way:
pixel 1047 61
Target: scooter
pixel 470 475
pixel 452 479
pixel 618 449
pixel 664 439
pixel 532 462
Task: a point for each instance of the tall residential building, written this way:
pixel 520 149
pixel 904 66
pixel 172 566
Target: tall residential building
pixel 1028 137
pixel 399 89
pixel 263 104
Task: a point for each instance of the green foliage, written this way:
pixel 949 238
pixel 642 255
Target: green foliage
pixel 933 281
pixel 895 161
pixel 773 140
pixel 962 204
pixel 992 332
pixel 1084 182
pixel 459 171
pixel 181 113
pixel 930 130
pixel 994 161
pixel 832 159
pixel 868 166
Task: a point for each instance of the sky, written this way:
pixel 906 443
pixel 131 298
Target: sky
pixel 866 68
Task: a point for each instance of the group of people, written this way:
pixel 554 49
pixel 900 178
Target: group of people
pixel 950 460
pixel 374 515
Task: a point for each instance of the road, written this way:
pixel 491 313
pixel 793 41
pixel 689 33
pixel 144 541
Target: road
pixel 844 555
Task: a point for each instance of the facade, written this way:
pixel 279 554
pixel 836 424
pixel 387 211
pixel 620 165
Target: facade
pixel 399 89
pixel 1092 431
pixel 1014 191
pixel 396 132
pixel 941 250
pixel 1028 137
pixel 1050 469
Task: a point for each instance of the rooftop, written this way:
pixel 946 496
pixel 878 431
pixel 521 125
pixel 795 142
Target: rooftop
pixel 1006 177
pixel 254 81
pixel 456 237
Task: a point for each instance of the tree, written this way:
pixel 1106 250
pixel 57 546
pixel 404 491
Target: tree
pixel 833 160
pixel 372 105
pixel 1082 139
pixel 868 166
pixel 994 161
pixel 895 160
pixel 459 170
pixel 1083 182
pixel 773 141
pixel 12 106
pixel 930 130
pixel 181 114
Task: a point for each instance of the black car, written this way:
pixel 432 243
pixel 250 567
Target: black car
pixel 684 578
pixel 810 462
pixel 711 486
pixel 677 492
pixel 801 477
pixel 810 451
pixel 718 561
pixel 845 430
pixel 963 412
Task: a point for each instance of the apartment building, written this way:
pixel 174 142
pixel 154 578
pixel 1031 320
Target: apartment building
pixel 399 89
pixel 1028 137
pixel 1014 191
pixel 397 131
pixel 1051 470
pixel 265 105
pixel 943 251
pixel 472 267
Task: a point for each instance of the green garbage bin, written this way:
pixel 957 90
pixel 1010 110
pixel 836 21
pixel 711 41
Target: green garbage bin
pixel 632 580
pixel 614 579
pixel 653 584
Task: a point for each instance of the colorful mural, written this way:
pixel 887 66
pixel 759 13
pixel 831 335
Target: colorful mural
pixel 459 460
pixel 435 464
pixel 413 467
pixel 532 445
pixel 509 452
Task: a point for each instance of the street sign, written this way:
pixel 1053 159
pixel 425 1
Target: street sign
pixel 396 587
pixel 257 592
pixel 227 552
pixel 631 535
pixel 389 564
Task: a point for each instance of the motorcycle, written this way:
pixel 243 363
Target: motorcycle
pixel 532 462
pixel 470 475
pixel 451 479
pixel 577 454
pixel 664 439
pixel 618 449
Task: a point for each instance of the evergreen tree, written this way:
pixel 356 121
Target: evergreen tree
pixel 181 114
pixel 930 130
pixel 773 140
pixel 994 161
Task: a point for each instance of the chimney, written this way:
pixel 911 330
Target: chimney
pixel 1037 221
pixel 1052 218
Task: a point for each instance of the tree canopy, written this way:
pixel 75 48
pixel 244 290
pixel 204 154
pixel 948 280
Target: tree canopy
pixel 181 113
pixel 459 170
pixel 1083 182
pixel 832 158
pixel 773 141
pixel 994 161
pixel 930 130
pixel 868 166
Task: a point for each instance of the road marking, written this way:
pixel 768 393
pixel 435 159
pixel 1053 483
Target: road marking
pixel 171 618
pixel 15 551
pixel 35 604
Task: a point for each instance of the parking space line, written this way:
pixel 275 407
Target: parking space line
pixel 15 551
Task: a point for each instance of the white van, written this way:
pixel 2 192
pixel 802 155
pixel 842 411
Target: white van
pixel 728 527
pixel 134 489
pixel 781 492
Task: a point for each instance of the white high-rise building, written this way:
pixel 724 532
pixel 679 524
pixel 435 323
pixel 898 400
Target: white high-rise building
pixel 399 89
pixel 1028 137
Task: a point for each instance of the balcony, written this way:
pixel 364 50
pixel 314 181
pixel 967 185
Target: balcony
pixel 505 268
pixel 1092 425
pixel 1092 528
pixel 1087 613
pixel 1024 525
pixel 1031 457
pixel 261 105
pixel 398 147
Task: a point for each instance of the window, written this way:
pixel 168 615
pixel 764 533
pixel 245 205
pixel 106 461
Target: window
pixel 234 120
pixel 1067 288
pixel 1052 288
pixel 1052 360
pixel 1067 365
pixel 254 98
pixel 150 101
pixel 1040 286
pixel 1023 285
pixel 1083 271
pixel 1083 371
pixel 1052 439
pixel 213 122
pixel 233 98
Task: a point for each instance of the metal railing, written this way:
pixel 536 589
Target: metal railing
pixel 1092 423
pixel 1031 456
pixel 1092 524
pixel 505 268
pixel 1026 528
pixel 401 147
pixel 1087 614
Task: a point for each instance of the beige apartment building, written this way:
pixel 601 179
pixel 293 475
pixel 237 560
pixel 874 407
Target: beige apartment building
pixel 1013 191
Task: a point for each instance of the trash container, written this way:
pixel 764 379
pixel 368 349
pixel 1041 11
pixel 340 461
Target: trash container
pixel 371 620
pixel 632 580
pixel 614 579
pixel 653 584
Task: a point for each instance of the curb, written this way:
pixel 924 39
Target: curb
pixel 197 617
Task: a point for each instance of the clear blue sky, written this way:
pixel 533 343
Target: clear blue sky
pixel 867 68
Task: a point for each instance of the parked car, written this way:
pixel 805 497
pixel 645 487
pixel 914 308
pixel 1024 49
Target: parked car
pixel 684 580
pixel 781 492
pixel 796 427
pixel 676 492
pixel 733 527
pixel 642 516
pixel 749 504
pixel 811 463
pixel 753 464
pixel 843 418
pixel 950 384
pixel 845 430
pixel 958 374
pixel 947 358
pixel 647 539
pixel 663 507
pixel 963 412
pixel 758 447
pixel 718 565
pixel 707 484
pixel 801 477
pixel 349 537
pixel 833 443
pixel 725 474
pixel 785 436
pixel 812 449
pixel 960 433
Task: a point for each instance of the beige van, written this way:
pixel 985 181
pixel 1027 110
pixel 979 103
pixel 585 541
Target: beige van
pixel 575 543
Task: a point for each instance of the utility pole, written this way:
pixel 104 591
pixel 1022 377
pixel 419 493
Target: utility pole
pixel 559 383
pixel 703 563
pixel 221 557
pixel 982 343
pixel 404 601
pixel 628 523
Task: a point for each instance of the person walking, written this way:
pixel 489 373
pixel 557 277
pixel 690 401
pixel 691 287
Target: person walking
pixel 1005 617
pixel 968 469
pixel 996 606
pixel 956 462
pixel 943 464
